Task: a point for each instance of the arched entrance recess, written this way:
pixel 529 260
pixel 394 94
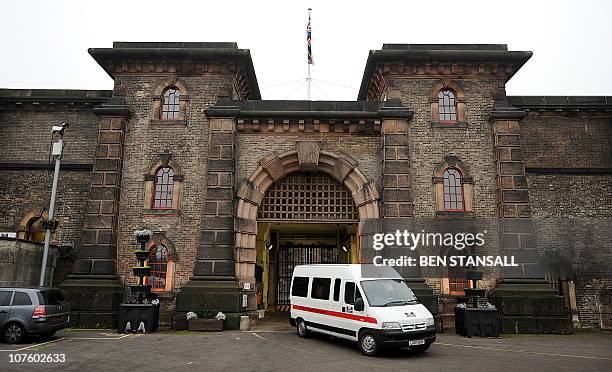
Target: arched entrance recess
pixel 274 167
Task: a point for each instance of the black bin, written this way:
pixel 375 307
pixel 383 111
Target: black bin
pixel 480 322
pixel 136 313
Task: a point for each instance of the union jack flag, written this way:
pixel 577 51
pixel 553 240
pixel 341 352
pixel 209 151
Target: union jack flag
pixel 308 35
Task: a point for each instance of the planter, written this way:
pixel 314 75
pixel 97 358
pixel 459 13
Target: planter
pixel 137 313
pixel 473 275
pixel 143 238
pixel 142 255
pixel 141 271
pixel 146 289
pixel 477 322
pixel 475 292
pixel 210 325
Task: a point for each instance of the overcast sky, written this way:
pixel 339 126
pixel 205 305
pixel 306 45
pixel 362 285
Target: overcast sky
pixel 44 43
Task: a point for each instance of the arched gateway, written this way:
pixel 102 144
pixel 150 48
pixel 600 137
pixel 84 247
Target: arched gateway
pixel 301 206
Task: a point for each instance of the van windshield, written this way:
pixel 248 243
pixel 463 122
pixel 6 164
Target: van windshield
pixel 388 292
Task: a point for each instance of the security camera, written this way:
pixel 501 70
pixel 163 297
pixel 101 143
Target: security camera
pixel 59 129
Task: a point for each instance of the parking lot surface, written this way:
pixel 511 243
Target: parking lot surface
pixel 283 350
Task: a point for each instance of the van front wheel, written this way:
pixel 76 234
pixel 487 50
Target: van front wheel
pixel 302 331
pixel 368 344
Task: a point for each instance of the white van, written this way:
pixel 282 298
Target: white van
pixel 364 303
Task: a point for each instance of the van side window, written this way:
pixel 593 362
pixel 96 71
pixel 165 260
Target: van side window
pixel 21 298
pixel 5 298
pixel 320 288
pixel 351 292
pixel 300 286
pixel 337 289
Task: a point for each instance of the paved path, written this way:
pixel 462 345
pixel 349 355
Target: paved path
pixel 282 350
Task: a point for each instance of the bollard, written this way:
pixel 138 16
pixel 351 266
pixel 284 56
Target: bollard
pixel 244 323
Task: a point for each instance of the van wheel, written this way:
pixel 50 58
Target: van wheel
pixel 420 348
pixel 14 333
pixel 368 344
pixel 302 331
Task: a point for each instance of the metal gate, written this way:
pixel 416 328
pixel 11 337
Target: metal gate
pixel 290 255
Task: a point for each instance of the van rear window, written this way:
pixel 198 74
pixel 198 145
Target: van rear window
pixel 320 288
pixel 300 286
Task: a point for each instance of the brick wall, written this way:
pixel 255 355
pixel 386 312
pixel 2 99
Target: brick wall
pixel 35 126
pixel 556 141
pixel 251 148
pixel 25 137
pixel 573 211
pixel 429 144
pixel 188 145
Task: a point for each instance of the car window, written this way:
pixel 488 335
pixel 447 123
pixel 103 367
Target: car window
pixel 21 298
pixel 5 298
pixel 50 297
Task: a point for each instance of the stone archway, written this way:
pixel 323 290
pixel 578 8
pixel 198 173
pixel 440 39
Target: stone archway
pixel 274 167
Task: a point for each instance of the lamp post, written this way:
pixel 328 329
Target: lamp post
pixel 56 152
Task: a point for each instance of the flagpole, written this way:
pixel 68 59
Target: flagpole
pixel 308 87
pixel 308 62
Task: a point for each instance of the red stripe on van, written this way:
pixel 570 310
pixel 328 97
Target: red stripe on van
pixel 338 314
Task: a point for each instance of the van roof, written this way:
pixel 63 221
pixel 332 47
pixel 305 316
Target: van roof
pixel 364 271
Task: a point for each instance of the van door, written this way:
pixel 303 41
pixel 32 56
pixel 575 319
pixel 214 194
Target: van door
pixel 351 322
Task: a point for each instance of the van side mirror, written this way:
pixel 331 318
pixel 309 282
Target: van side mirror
pixel 359 305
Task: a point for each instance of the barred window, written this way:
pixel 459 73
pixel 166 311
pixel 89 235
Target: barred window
pixel 453 190
pixel 447 106
pixel 158 261
pixel 308 197
pixel 170 104
pixel 164 187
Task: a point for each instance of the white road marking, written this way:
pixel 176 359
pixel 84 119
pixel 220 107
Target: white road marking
pixel 67 339
pixel 37 345
pixel 524 351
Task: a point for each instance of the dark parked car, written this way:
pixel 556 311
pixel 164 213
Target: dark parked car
pixel 32 311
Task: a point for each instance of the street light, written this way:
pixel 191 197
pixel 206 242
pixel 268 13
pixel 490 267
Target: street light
pixel 56 152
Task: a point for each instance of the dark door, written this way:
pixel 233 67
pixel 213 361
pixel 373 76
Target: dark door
pixel 289 256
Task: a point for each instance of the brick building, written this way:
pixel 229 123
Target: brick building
pixel 238 189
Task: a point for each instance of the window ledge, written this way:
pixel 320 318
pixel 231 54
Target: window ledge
pixel 455 125
pixel 451 215
pixel 170 123
pixel 161 213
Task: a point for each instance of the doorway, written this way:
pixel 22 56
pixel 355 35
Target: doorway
pixel 282 246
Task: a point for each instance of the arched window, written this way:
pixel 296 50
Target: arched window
pixel 158 261
pixel 30 227
pixel 164 188
pixel 453 190
pixel 447 106
pixel 34 231
pixel 170 104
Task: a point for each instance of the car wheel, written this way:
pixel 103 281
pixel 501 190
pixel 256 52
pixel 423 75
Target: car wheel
pixel 302 331
pixel 420 348
pixel 368 344
pixel 47 335
pixel 14 333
